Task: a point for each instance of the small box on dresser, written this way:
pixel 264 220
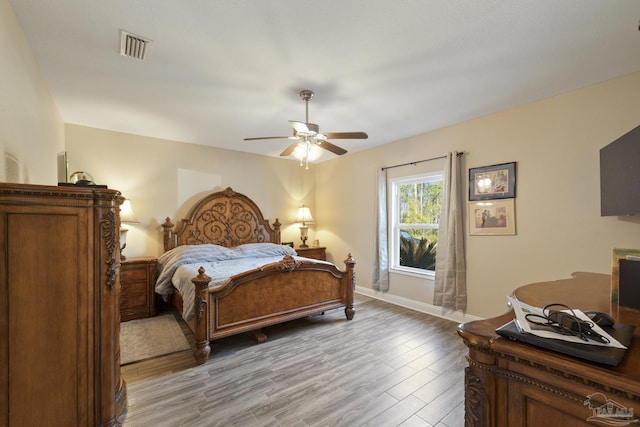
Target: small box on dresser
pixel 137 296
pixel 318 252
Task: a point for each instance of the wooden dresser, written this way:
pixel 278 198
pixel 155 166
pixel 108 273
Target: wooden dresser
pixel 317 252
pixel 508 383
pixel 59 314
pixel 137 280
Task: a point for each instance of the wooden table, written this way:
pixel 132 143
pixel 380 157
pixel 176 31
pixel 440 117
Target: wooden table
pixel 508 383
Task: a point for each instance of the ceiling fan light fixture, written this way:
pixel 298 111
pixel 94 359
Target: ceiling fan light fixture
pixel 306 152
pixel 311 141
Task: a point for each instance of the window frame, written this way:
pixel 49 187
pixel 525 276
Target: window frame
pixel 394 225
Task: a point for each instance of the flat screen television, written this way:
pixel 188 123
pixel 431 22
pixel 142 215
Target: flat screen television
pixel 620 176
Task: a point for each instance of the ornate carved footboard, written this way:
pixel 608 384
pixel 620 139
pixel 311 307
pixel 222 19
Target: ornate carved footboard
pixel 249 301
pixel 272 294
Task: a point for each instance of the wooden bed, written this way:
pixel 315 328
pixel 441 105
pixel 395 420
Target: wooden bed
pixel 249 301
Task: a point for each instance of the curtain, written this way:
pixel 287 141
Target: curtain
pixel 450 288
pixel 381 256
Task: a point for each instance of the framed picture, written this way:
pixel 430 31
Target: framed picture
pixel 492 217
pixel 63 167
pixel 493 182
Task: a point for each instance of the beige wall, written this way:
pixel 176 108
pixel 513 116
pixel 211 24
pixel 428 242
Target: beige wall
pixel 162 178
pixel 31 130
pixel 556 143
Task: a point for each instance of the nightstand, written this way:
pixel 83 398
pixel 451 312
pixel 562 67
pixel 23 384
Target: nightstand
pixel 315 253
pixel 137 296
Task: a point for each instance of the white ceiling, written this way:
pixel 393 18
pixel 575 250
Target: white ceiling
pixel 222 70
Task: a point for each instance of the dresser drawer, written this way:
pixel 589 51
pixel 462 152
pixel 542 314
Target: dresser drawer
pixel 133 275
pixel 131 288
pixel 313 252
pixel 133 301
pixel 137 281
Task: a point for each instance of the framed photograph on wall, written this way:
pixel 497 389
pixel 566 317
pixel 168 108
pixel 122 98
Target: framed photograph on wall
pixel 492 217
pixel 493 182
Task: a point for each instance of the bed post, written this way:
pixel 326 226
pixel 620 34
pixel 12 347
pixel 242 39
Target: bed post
pixel 203 349
pixel 349 309
pixel 169 239
pixel 276 229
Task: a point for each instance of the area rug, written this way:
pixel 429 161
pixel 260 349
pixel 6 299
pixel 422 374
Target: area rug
pixel 143 339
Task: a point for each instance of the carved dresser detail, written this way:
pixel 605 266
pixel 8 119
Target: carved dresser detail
pixel 509 383
pixel 59 313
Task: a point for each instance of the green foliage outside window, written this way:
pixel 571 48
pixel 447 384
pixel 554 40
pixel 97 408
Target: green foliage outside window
pixel 418 253
pixel 420 203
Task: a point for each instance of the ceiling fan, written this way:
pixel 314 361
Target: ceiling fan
pixel 308 138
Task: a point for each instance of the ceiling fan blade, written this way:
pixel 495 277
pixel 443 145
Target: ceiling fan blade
pixel 299 126
pixel 346 135
pixel 289 150
pixel 304 128
pixel 329 146
pixel 266 137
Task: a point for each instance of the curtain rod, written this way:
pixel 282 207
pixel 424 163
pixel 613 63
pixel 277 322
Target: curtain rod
pixel 418 161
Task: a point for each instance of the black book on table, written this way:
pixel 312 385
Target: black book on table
pixel 594 353
pixel 629 283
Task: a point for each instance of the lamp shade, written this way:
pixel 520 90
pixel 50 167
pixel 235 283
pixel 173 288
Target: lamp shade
pixel 126 212
pixel 304 215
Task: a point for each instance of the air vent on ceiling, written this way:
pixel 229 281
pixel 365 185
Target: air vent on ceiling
pixel 133 46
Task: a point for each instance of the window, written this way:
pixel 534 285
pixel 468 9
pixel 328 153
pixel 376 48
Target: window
pixel 415 217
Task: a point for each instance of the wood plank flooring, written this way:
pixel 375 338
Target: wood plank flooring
pixel 390 366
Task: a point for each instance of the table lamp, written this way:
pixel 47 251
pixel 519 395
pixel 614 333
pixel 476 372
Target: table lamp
pixel 126 215
pixel 304 217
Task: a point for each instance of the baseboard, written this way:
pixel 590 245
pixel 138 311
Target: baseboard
pixel 423 307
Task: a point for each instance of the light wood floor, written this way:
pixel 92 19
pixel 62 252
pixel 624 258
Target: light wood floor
pixel 390 366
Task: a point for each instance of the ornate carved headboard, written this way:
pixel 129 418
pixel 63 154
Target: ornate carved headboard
pixel 224 218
